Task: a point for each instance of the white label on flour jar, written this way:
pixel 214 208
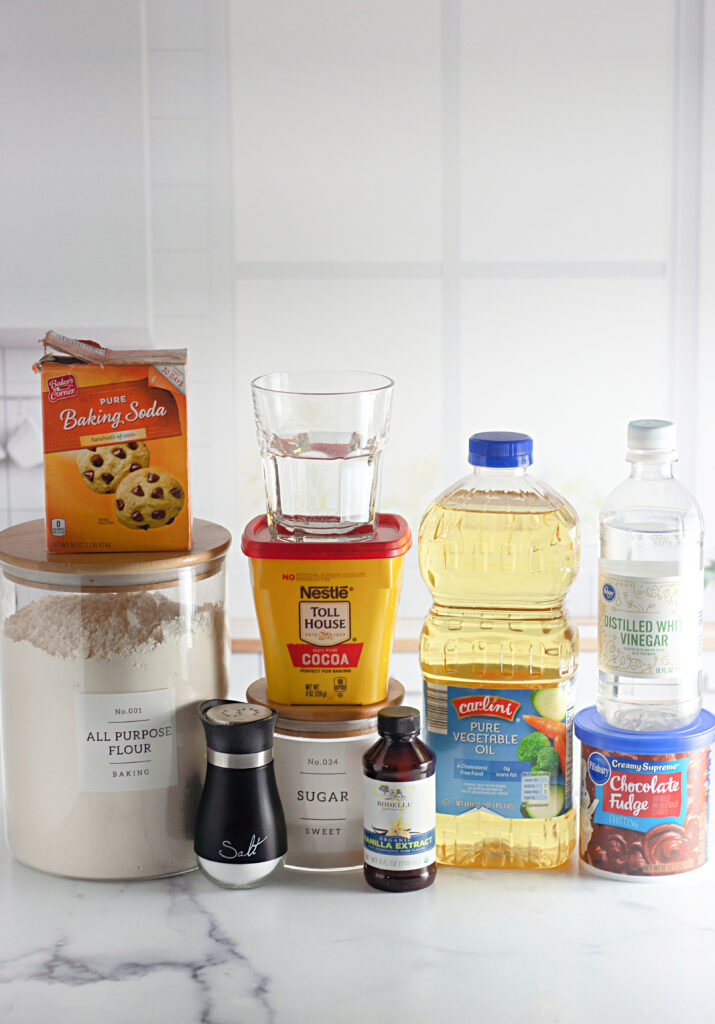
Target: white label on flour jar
pixel 650 627
pixel 320 783
pixel 126 741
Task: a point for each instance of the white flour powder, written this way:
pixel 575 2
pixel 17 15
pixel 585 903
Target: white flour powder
pixel 107 786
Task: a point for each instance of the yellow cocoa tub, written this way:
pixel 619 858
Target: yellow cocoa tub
pixel 326 612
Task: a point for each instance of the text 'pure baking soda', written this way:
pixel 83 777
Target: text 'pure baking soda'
pixel 115 448
pixel 498 551
pixel 650 591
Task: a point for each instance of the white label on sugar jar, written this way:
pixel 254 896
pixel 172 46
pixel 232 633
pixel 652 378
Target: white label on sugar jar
pixel 650 627
pixel 320 783
pixel 126 741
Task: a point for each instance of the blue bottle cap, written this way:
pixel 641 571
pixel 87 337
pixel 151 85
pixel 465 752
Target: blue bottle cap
pixel 500 449
pixel 592 729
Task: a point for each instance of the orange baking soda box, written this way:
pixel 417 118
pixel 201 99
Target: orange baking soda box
pixel 116 448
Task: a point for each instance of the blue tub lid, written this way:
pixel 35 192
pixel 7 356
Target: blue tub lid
pixel 591 728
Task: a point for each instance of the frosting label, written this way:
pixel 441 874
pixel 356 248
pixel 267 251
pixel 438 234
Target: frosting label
pixel 644 815
pixel 639 794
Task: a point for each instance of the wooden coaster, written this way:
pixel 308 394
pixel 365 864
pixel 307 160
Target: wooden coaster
pixel 257 693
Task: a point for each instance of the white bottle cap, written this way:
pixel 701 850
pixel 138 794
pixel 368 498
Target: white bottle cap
pixel 651 440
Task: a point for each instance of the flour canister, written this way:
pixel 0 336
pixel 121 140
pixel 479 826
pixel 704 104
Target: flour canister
pixel 104 659
pixel 318 762
pixel 326 612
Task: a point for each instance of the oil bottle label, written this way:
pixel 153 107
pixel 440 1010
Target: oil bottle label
pixel 650 627
pixel 399 830
pixel 503 752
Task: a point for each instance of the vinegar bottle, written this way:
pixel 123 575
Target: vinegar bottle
pixel 399 805
pixel 650 591
pixel 498 550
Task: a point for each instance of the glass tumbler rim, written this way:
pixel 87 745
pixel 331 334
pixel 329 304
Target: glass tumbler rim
pixel 308 382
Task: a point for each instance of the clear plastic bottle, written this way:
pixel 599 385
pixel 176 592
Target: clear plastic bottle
pixel 498 551
pixel 650 590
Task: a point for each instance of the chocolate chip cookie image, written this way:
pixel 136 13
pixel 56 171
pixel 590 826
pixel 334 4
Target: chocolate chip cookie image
pixel 104 467
pixel 148 498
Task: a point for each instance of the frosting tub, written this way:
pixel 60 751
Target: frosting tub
pixel 644 798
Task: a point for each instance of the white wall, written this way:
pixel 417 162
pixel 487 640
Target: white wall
pixel 499 204
pixel 73 213
pixel 508 207
pixel 190 201
pixel 73 226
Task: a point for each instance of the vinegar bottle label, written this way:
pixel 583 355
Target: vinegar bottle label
pixel 650 626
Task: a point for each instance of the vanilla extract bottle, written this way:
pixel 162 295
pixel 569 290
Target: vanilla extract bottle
pixel 399 805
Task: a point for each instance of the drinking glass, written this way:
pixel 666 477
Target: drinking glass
pixel 321 435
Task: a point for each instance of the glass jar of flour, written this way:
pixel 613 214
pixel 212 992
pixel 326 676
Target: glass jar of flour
pixel 317 752
pixel 104 660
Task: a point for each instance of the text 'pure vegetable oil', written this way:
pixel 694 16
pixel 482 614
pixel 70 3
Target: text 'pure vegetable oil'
pixel 498 551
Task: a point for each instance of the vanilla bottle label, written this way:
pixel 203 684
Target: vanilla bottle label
pixel 650 626
pixel 399 830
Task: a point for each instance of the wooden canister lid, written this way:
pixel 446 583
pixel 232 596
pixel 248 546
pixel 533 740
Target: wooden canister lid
pixel 24 557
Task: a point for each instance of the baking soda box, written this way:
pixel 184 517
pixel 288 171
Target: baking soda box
pixel 116 448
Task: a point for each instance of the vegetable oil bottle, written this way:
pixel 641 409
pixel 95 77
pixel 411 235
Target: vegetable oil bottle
pixel 498 551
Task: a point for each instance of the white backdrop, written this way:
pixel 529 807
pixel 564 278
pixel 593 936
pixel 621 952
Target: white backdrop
pixel 508 207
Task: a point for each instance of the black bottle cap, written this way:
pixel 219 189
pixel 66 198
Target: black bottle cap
pixel 398 721
pixel 234 727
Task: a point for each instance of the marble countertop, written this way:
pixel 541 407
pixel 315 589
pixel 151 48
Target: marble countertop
pixel 498 947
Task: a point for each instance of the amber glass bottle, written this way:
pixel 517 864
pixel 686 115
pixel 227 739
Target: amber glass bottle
pixel 399 805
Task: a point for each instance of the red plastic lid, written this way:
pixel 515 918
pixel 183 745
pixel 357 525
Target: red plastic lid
pixel 391 540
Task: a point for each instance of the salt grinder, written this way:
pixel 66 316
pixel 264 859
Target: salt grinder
pixel 240 838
